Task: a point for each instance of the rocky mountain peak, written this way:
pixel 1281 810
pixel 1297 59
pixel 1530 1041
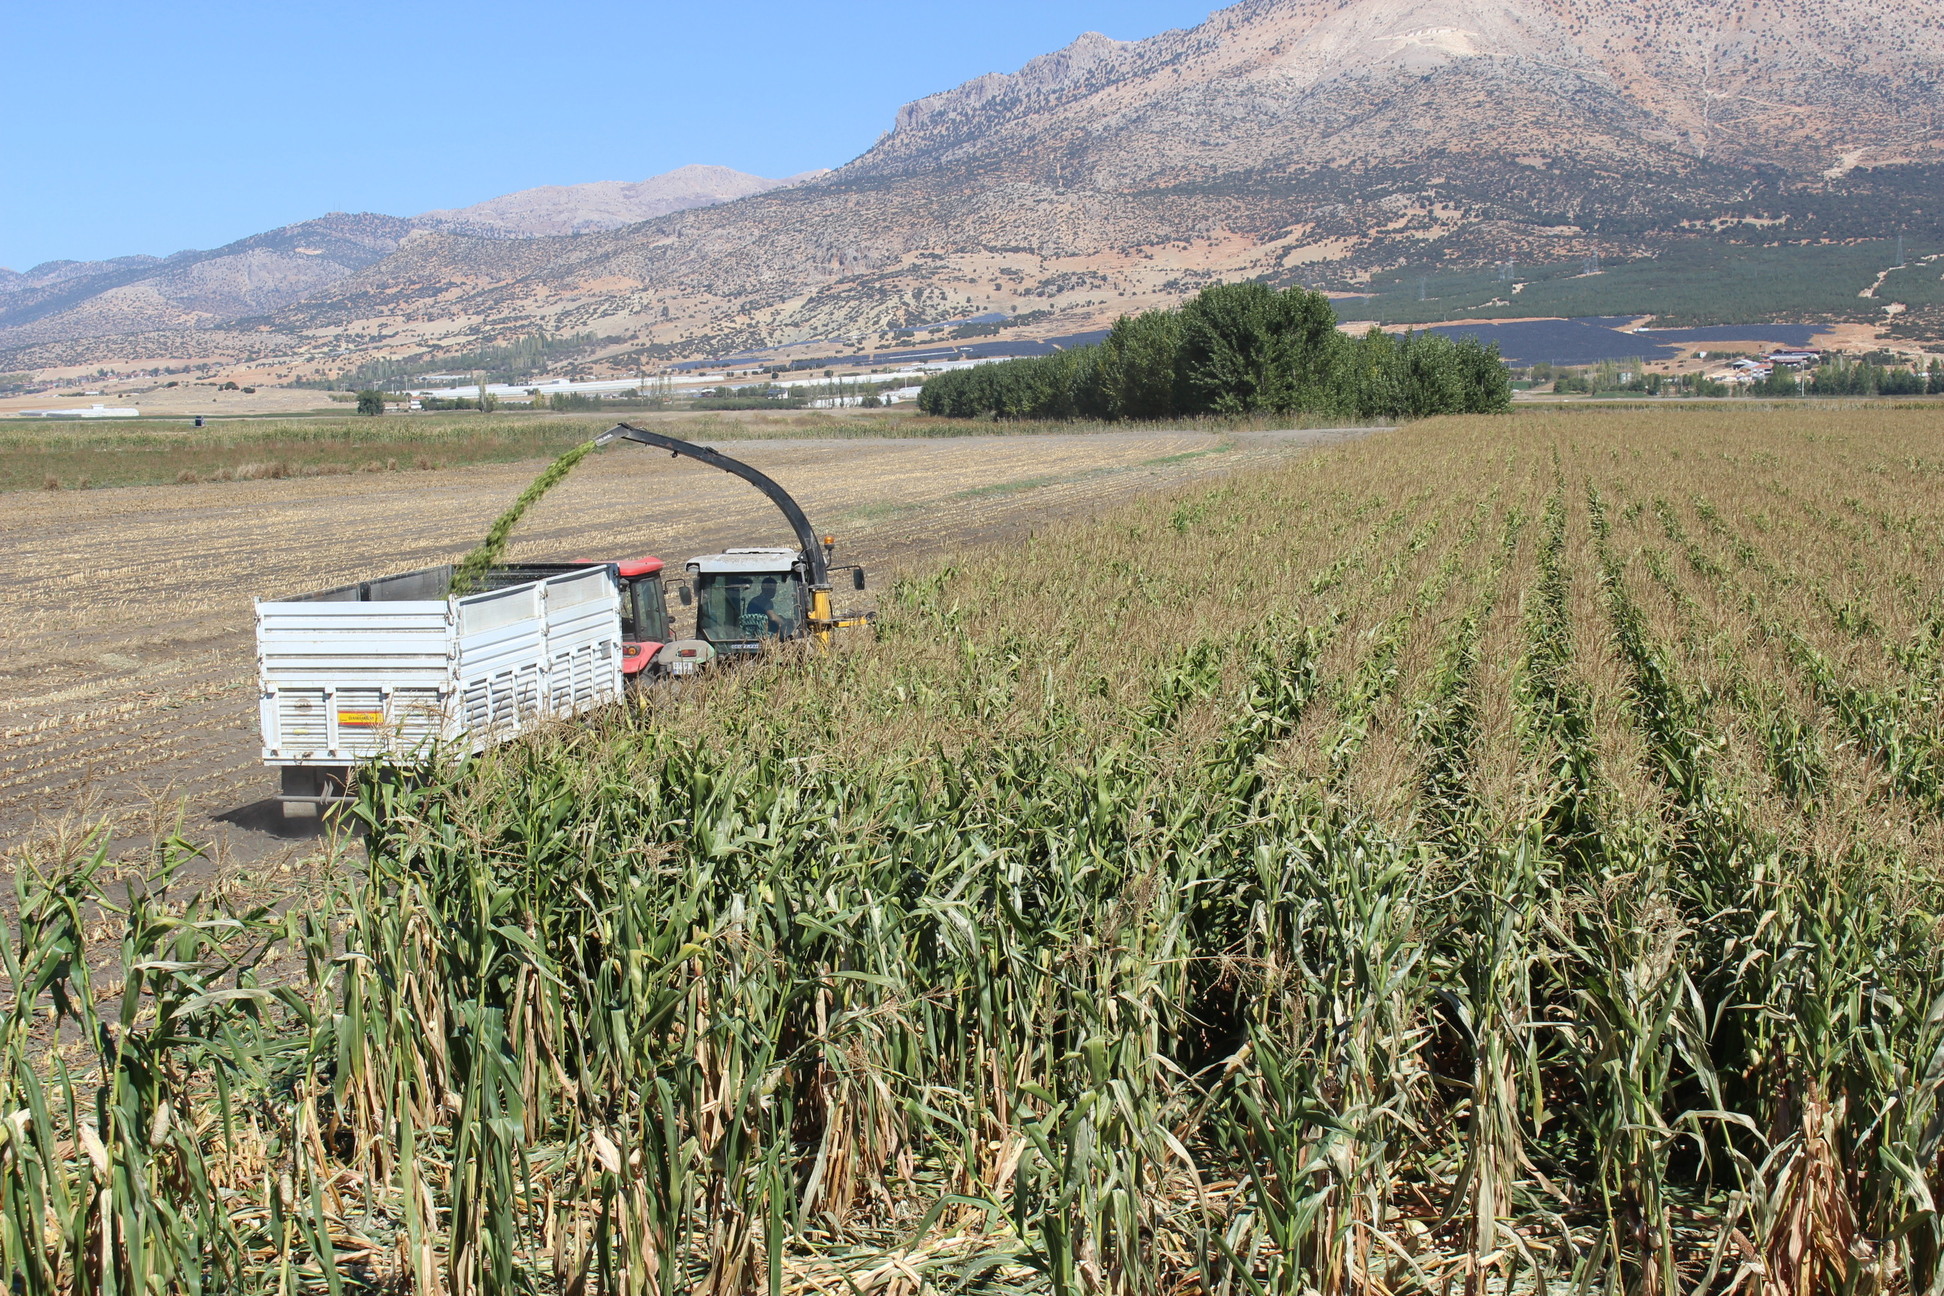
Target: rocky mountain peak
pixel 1045 75
pixel 1307 82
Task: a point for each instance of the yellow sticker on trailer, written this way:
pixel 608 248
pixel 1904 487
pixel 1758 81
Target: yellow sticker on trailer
pixel 356 718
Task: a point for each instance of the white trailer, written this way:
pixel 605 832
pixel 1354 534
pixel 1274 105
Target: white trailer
pixel 396 667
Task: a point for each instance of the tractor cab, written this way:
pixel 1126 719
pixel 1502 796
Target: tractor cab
pixel 746 596
pixel 644 613
pixel 644 602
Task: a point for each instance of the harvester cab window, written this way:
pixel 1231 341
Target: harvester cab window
pixel 735 606
pixel 644 611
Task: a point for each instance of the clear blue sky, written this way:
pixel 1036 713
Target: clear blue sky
pixel 150 127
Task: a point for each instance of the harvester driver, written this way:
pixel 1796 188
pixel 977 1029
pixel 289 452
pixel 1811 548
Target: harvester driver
pixel 759 614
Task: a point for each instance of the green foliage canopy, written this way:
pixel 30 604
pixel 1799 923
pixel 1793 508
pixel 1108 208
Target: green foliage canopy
pixel 1234 349
pixel 1247 349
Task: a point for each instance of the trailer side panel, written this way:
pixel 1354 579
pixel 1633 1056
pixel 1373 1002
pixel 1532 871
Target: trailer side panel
pixel 362 672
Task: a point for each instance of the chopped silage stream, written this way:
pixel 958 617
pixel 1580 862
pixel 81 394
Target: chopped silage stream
pixel 487 554
pixel 1390 873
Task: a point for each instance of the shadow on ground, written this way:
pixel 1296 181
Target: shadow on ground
pixel 267 817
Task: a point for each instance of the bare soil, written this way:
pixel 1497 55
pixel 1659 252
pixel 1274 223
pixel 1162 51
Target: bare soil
pixel 127 685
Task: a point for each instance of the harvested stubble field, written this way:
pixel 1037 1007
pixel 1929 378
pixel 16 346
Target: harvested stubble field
pixel 125 615
pixel 87 455
pixel 1500 854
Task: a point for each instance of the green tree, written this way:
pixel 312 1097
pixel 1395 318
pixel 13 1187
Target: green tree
pixel 1901 382
pixel 371 402
pixel 1435 378
pixel 1372 370
pixel 1840 377
pixel 1781 381
pixel 1135 375
pixel 1234 349
pixel 1487 383
pixel 1247 349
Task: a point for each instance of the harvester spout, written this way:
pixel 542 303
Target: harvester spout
pixel 815 554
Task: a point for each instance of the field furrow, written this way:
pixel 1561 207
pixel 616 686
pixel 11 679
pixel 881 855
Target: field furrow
pixel 1486 858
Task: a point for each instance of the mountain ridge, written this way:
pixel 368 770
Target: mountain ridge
pixel 551 210
pixel 1286 140
pixel 1278 137
pixel 261 273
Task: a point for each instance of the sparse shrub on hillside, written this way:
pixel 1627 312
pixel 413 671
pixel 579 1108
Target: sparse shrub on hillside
pixel 514 361
pixel 1236 349
pixel 1689 280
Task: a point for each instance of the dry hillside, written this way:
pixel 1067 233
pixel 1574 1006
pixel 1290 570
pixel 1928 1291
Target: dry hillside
pixel 1292 139
pixel 60 303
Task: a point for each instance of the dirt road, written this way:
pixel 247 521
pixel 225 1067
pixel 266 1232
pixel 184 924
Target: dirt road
pixel 128 676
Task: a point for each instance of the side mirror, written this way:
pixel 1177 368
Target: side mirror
pixel 683 593
pixel 857 578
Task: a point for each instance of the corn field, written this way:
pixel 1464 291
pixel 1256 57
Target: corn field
pixel 1498 856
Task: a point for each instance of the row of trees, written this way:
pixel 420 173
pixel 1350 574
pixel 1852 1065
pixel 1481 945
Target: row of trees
pixel 1840 377
pixel 1234 349
pixel 372 402
pixel 1636 382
